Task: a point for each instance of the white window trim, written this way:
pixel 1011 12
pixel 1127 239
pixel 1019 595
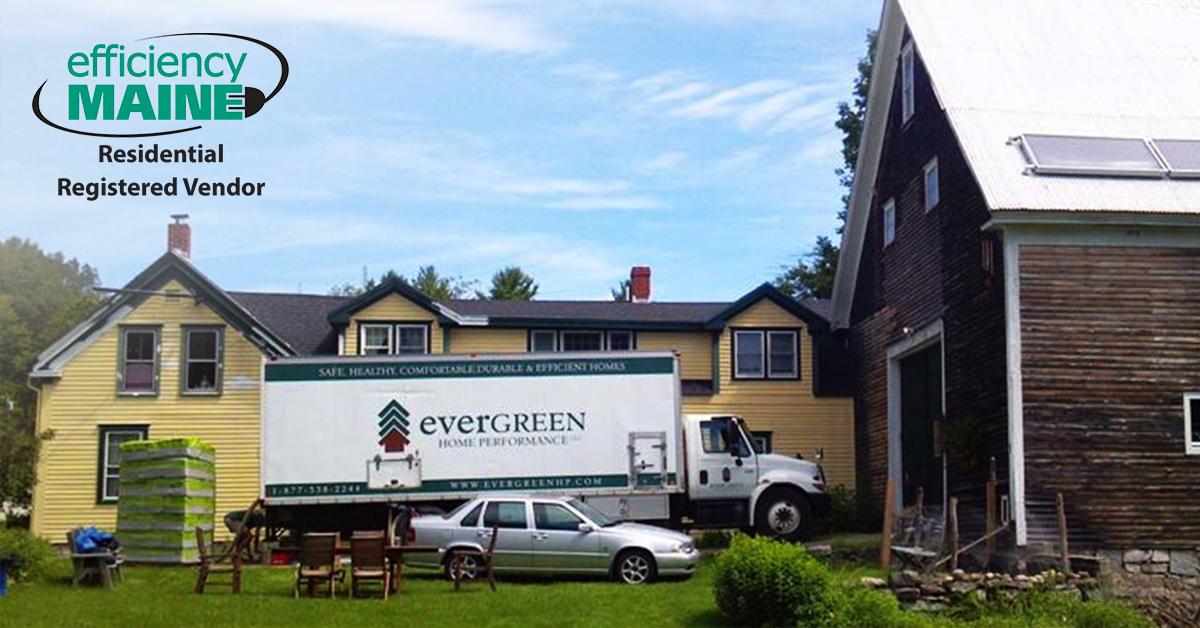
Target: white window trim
pixel 795 372
pixel 889 234
pixel 562 343
pixel 108 433
pixel 533 340
pixel 908 87
pixel 762 361
pixel 1190 446
pixel 629 333
pixel 396 337
pixel 932 166
pixel 362 338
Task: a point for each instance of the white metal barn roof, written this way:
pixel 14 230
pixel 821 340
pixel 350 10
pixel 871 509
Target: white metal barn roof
pixel 1114 68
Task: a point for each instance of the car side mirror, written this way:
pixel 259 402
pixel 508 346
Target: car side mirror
pixel 587 527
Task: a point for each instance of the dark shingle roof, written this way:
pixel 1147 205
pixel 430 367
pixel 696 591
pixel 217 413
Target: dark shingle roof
pixel 300 319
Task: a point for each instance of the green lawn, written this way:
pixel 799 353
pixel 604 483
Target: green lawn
pixel 160 596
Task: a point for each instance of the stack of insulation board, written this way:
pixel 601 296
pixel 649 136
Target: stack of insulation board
pixel 167 490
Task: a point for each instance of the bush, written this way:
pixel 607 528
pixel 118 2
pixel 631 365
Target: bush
pixel 849 511
pixel 765 582
pixel 36 556
pixel 714 539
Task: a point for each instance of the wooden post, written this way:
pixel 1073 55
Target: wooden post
pixel 952 525
pixel 889 513
pixel 991 509
pixel 1062 533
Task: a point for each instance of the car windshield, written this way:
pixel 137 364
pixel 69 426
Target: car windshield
pixel 596 516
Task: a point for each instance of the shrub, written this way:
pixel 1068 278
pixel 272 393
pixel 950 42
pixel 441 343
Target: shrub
pixel 37 558
pixel 849 511
pixel 760 581
pixel 714 539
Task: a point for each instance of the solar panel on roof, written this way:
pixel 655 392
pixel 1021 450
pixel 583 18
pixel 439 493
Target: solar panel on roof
pixel 1105 156
pixel 1182 157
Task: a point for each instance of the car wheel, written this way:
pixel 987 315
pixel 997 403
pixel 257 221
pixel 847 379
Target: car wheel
pixel 466 562
pixel 635 567
pixel 784 515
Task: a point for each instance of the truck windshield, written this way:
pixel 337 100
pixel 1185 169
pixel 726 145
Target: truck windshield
pixel 596 516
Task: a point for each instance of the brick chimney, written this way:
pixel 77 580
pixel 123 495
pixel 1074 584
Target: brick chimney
pixel 179 236
pixel 639 284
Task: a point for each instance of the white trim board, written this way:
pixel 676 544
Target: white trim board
pixel 916 341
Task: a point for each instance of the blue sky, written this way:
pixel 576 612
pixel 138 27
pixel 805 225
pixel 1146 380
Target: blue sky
pixel 574 139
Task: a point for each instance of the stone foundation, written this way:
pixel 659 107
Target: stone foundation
pixel 935 592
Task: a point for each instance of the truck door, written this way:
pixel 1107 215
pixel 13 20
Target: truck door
pixel 514 547
pixel 727 467
pixel 558 543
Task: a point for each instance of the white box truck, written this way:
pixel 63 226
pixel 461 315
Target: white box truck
pixel 343 438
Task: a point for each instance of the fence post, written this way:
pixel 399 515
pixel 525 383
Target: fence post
pixel 1062 533
pixel 953 531
pixel 889 508
pixel 991 509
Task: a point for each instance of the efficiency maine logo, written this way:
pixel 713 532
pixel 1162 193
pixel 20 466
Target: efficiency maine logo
pixel 393 427
pixel 160 89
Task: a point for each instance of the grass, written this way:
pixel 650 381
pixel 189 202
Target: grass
pixel 162 596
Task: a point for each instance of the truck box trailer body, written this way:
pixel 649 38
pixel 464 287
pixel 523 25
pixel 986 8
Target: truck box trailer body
pixel 362 430
pixel 343 438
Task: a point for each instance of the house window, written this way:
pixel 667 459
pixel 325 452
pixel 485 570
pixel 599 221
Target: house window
pixel 138 370
pixel 933 195
pixel 889 222
pixel 376 340
pixel 766 354
pixel 762 442
pixel 907 96
pixel 202 353
pixel 411 339
pixel 1191 422
pixel 781 348
pixel 620 341
pixel 543 340
pixel 582 341
pixel 109 471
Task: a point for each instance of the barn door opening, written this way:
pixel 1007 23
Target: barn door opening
pixel 920 425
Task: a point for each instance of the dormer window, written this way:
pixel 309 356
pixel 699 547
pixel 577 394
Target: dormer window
pixel 907 93
pixel 393 338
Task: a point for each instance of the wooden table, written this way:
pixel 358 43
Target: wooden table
pixel 395 557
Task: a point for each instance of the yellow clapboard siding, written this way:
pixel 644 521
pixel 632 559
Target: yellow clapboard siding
pixel 86 397
pixel 694 348
pixel 485 340
pixel 393 308
pixel 799 421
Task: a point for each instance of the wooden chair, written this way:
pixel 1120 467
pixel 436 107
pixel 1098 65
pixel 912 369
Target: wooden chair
pixel 318 563
pixel 227 562
pixel 471 564
pixel 368 561
pixel 103 564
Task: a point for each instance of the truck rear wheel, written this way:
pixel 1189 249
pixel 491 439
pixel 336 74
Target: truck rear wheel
pixel 784 514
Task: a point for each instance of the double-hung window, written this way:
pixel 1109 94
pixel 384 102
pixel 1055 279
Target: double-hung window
pixel 109 471
pixel 203 351
pixel 908 103
pixel 766 354
pixel 1191 422
pixel 138 368
pixel 582 341
pixel 548 340
pixel 543 340
pixel 393 338
pixel 889 221
pixel 620 341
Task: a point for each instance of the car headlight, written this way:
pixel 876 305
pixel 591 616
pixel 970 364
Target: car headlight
pixel 686 547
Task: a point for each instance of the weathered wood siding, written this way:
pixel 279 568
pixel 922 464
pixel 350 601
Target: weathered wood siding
pixel 86 397
pixel 932 270
pixel 1110 342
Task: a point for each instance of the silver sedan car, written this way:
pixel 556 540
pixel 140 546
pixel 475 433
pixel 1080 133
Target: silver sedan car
pixel 552 535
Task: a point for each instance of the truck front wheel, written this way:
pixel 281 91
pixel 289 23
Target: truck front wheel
pixel 784 514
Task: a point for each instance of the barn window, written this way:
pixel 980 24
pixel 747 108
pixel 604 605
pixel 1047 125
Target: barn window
pixel 933 194
pixel 908 101
pixel 889 221
pixel 1191 422
pixel 987 251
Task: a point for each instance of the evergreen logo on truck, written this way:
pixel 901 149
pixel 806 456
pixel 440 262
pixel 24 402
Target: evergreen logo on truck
pixel 393 427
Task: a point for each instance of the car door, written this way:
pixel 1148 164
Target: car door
pixel 558 544
pixel 727 466
pixel 510 518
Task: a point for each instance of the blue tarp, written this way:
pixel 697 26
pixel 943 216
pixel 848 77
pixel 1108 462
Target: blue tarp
pixel 92 539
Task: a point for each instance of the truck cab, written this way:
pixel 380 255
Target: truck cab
pixel 729 484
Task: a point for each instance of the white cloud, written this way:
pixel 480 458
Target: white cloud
pixel 729 101
pixel 664 162
pixel 594 203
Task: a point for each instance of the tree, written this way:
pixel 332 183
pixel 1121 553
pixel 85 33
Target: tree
pixel 813 273
pixel 42 296
pixel 621 292
pixel 511 284
pixel 428 281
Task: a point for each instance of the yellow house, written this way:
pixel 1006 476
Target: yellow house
pixel 172 354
